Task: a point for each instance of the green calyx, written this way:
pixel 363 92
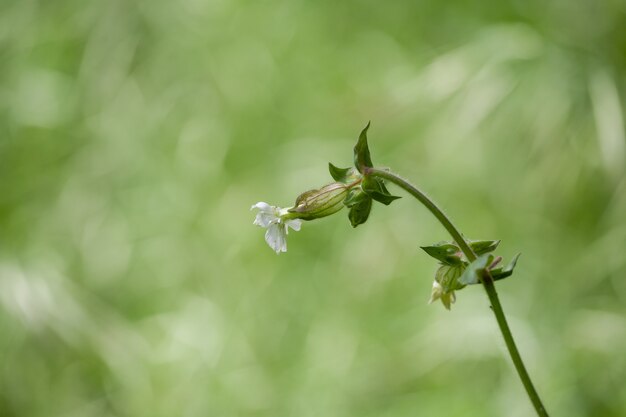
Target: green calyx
pixel 318 203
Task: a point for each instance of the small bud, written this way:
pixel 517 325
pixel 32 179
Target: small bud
pixel 322 202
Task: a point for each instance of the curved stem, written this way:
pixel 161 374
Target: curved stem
pixel 487 281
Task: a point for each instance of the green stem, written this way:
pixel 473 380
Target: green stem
pixel 487 281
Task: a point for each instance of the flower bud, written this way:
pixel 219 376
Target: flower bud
pixel 318 203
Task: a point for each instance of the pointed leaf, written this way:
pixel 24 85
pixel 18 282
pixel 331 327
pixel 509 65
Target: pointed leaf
pixel 474 271
pixel 341 174
pixel 360 211
pixel 483 246
pixel 507 271
pixel 382 186
pixel 444 252
pixel 361 151
pixel 384 199
pixel 377 190
pixel 511 265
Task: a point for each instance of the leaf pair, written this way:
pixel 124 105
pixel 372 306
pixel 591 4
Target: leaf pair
pixel 367 188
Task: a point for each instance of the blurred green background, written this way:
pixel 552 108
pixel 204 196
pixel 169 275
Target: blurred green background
pixel 135 136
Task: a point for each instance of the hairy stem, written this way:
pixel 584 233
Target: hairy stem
pixel 487 281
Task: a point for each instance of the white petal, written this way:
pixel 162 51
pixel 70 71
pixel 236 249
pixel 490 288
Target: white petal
pixel 436 292
pixel 294 224
pixel 266 215
pixel 262 206
pixel 276 237
pixel 433 297
pixel 282 211
pixel 264 219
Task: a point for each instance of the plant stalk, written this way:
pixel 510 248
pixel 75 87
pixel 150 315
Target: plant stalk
pixel 487 281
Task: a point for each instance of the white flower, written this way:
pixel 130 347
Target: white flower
pixel 277 222
pixel 445 283
pixel 447 298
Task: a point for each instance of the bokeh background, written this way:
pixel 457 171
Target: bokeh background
pixel 135 136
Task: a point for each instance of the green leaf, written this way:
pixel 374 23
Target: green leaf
pixel 474 271
pixel 384 189
pixel 507 271
pixel 446 253
pixel 355 196
pixel 481 247
pixel 343 175
pixel 361 151
pixel 511 265
pixel 360 211
pixel 376 189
